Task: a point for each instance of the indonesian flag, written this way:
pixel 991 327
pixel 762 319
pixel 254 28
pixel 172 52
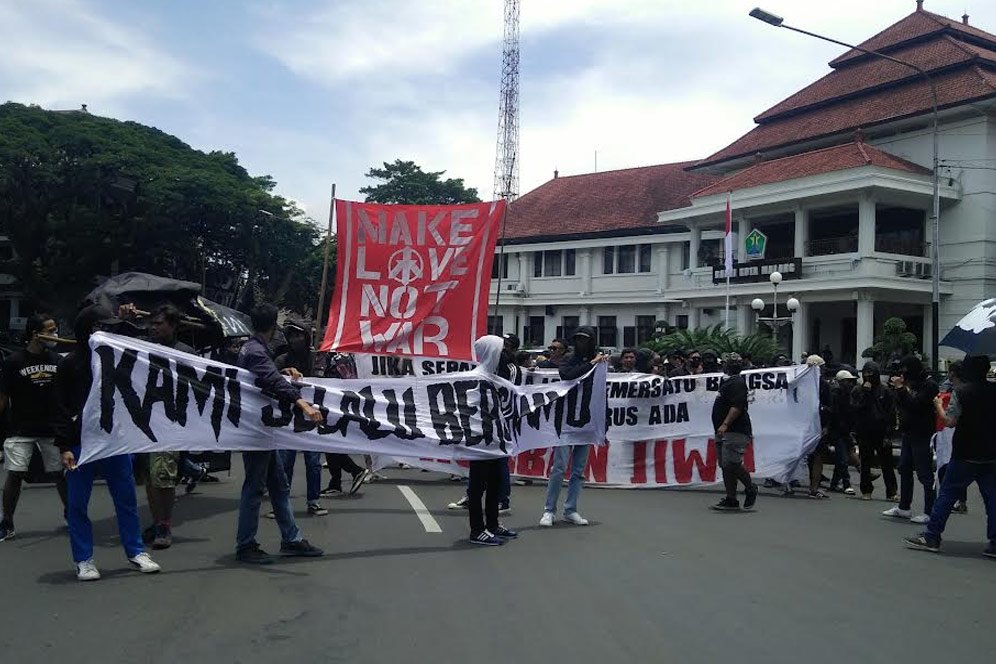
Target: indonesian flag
pixel 728 238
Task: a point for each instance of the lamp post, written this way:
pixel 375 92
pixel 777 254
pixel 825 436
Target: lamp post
pixel 935 296
pixel 775 321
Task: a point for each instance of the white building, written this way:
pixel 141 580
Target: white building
pixel 836 177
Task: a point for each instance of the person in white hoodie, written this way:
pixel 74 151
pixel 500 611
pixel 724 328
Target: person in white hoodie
pixel 485 475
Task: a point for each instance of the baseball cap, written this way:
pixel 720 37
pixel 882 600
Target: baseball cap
pixel 511 339
pixel 815 361
pixel 844 374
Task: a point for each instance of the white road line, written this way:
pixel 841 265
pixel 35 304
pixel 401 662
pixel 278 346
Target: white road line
pixel 428 522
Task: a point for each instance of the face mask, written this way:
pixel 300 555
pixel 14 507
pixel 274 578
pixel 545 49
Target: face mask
pixel 49 344
pixel 694 362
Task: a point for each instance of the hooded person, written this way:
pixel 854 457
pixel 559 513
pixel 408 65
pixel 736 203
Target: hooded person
pixel 914 392
pixel 72 385
pixel 973 454
pixel 874 413
pixel 486 474
pixel 841 428
pixel 710 362
pixel 584 357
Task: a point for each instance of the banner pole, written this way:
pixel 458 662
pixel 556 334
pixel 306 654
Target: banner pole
pixel 319 324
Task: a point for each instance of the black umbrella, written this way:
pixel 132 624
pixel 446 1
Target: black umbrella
pixel 975 334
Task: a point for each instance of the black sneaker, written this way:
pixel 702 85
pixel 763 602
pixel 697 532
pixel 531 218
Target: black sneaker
pixel 504 533
pixel 726 505
pixel 990 551
pixel 331 491
pixel 485 538
pixel 750 496
pixel 923 542
pixel 6 531
pixel 358 480
pixel 163 538
pixel 300 549
pixel 253 555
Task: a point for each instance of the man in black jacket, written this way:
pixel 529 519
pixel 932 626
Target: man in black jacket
pixel 733 434
pixel 262 468
pixel 584 356
pixel 915 392
pixel 874 413
pixel 973 455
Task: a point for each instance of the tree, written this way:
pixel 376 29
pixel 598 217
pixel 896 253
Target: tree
pixel 717 339
pixel 404 182
pixel 894 343
pixel 83 196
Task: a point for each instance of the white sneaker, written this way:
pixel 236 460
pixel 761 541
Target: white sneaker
pixel 87 571
pixel 922 518
pixel 547 519
pixel 145 563
pixel 576 519
pixel 897 513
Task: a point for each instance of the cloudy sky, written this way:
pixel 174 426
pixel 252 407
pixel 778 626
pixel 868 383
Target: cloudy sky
pixel 317 91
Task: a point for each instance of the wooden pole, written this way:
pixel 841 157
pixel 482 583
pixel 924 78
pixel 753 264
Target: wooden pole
pixel 320 312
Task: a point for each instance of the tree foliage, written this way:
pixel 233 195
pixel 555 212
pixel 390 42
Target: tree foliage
pixel 894 343
pixel 83 196
pixel 716 338
pixel 404 182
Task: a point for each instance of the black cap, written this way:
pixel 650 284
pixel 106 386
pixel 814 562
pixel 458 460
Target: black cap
pixel 511 339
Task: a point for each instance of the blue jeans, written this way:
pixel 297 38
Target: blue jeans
pixel 578 454
pixel 841 457
pixel 957 478
pixel 312 471
pixel 264 471
pixel 116 470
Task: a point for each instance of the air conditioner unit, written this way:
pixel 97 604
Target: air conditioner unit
pixel 906 268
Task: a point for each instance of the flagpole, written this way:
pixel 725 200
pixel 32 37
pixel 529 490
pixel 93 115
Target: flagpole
pixel 319 324
pixel 728 259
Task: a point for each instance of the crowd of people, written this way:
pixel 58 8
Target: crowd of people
pixel 860 414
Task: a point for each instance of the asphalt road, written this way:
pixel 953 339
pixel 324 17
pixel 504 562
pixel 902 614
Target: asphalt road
pixel 656 577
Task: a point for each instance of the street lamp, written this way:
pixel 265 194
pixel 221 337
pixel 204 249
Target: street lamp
pixel 775 321
pixel 935 298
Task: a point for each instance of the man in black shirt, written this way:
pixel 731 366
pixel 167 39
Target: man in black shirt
pixel 973 455
pixel 27 388
pixel 733 434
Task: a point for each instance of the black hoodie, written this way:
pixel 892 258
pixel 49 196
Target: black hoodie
pixel 974 437
pixel 915 400
pixel 577 364
pixel 873 408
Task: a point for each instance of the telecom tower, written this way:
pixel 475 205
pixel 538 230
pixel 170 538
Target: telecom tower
pixel 507 154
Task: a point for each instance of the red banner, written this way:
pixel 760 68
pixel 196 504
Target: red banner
pixel 412 279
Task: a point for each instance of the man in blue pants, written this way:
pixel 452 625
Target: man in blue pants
pixel 263 470
pixel 72 384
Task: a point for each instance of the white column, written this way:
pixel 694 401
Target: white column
pixel 693 247
pixel 661 313
pixel 927 332
pixel 744 313
pixel 525 268
pixel 693 318
pixel 585 256
pixel 801 232
pixel 663 267
pixel 866 328
pixel 585 315
pixel 522 313
pixel 800 331
pixel 743 230
pixel 866 226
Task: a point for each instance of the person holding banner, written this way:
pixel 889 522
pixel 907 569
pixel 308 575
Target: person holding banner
pixel 733 435
pixel 263 471
pixel 72 385
pixel 584 356
pixel 486 476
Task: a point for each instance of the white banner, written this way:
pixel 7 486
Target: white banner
pixel 661 431
pixel 395 366
pixel 148 398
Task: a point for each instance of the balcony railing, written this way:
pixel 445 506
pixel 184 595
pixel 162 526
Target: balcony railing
pixel 898 245
pixel 832 246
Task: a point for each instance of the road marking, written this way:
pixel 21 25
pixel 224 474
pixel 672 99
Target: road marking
pixel 428 522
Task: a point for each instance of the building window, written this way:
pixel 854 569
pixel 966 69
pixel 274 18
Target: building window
pixel 496 325
pixel 686 255
pixel 535 331
pixel 645 328
pixel 537 263
pixel 711 253
pixel 569 263
pixel 681 322
pixel 629 336
pixel 553 263
pixel 607 331
pixel 644 262
pixel 609 260
pixel 503 259
pixel 570 326
pixel 626 259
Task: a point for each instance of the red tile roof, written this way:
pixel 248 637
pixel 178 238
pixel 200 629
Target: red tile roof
pixel 864 91
pixel 827 160
pixel 596 204
pixel 917 25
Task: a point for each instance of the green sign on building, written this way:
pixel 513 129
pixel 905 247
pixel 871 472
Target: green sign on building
pixel 756 244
